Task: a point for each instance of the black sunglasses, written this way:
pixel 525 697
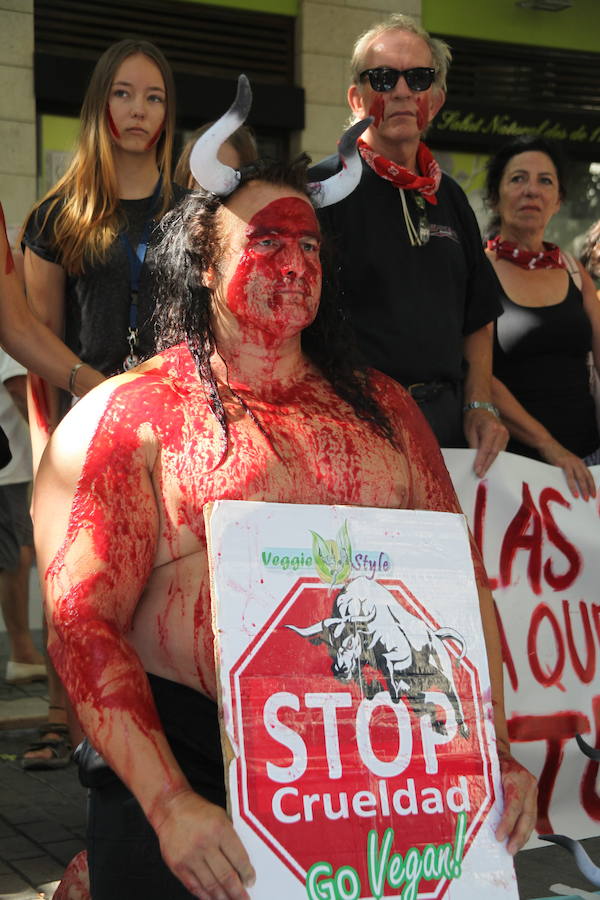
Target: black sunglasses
pixel 384 79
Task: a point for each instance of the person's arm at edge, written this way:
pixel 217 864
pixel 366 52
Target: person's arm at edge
pixel 591 305
pixel 529 430
pixel 16 386
pixel 482 428
pixel 45 291
pixel 27 339
pixel 433 489
pixel 90 601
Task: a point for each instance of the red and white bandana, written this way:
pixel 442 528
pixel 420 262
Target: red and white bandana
pixel 426 184
pixel 548 258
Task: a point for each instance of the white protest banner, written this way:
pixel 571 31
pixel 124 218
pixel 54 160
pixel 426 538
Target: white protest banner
pixel 357 723
pixel 541 548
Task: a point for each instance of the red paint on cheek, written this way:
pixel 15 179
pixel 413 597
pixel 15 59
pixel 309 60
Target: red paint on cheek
pixel 10 263
pixel 263 273
pixel 422 112
pixel 111 124
pixel 155 136
pixel 376 109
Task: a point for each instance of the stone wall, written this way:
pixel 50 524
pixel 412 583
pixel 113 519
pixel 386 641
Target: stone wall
pixel 326 31
pixel 325 35
pixel 18 164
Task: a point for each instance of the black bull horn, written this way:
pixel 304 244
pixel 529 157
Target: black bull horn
pixel 590 752
pixel 325 626
pixel 584 863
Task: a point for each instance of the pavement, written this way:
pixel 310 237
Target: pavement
pixel 42 814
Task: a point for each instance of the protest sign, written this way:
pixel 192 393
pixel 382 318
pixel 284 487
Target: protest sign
pixel 541 548
pixel 356 708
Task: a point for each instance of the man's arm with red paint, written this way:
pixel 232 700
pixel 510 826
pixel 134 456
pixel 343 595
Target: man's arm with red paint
pixel 97 522
pixel 433 489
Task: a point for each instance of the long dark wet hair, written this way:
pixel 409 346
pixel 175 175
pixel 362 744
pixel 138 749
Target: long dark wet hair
pixel 191 244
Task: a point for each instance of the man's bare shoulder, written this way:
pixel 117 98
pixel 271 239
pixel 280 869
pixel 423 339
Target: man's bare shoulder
pixel 390 394
pixel 134 404
pixel 410 426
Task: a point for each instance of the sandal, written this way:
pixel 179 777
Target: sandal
pixel 60 748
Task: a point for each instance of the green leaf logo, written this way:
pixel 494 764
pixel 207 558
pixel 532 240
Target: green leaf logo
pixel 333 559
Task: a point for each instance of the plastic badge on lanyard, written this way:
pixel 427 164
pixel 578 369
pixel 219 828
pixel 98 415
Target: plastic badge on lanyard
pixel 136 261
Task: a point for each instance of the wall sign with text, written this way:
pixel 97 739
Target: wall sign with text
pixel 486 129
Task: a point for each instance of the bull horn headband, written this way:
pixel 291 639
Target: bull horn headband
pixel 214 176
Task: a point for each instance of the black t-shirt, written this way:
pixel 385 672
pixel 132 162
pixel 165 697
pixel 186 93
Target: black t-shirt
pixel 540 354
pixel 411 306
pixel 97 302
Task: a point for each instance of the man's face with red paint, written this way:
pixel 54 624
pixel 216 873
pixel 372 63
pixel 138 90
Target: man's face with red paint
pixel 137 104
pixel 268 281
pixel 403 114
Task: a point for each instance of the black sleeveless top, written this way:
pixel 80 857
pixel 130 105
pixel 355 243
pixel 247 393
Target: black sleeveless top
pixel 540 353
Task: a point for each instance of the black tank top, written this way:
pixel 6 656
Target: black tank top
pixel 540 353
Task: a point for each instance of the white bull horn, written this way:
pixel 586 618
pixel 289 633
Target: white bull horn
pixel 309 631
pixel 207 170
pixel 317 628
pixel 340 185
pixel 590 752
pixel 584 863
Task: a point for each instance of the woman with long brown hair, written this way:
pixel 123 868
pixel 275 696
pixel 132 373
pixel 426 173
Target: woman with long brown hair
pixel 88 251
pixel 80 238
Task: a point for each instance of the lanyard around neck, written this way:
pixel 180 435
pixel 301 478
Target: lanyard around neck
pixel 135 259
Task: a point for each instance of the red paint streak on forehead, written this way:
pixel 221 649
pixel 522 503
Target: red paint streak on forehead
pixel 288 216
pixel 10 263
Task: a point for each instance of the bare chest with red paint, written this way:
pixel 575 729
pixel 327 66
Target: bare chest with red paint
pixel 305 447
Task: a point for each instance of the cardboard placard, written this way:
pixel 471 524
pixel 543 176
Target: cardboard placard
pixel 355 698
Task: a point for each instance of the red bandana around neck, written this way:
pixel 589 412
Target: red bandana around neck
pixel 426 184
pixel 548 258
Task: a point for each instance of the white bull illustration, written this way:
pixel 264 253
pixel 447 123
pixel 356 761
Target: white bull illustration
pixel 369 627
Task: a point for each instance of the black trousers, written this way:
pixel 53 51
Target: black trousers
pixel 444 412
pixel 123 850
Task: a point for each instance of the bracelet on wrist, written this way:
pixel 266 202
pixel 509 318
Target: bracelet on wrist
pixel 73 376
pixel 480 404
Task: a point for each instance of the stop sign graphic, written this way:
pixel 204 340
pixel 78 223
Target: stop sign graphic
pixel 362 746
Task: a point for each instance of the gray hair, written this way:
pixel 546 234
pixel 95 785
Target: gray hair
pixel 441 54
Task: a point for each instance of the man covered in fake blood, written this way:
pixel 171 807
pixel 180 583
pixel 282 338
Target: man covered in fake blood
pixel 259 400
pixel 414 279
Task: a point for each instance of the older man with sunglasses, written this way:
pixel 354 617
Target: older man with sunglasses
pixel 419 290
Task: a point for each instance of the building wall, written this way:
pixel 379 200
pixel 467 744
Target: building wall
pixel 277 7
pixel 17 112
pixel 326 31
pixel 576 28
